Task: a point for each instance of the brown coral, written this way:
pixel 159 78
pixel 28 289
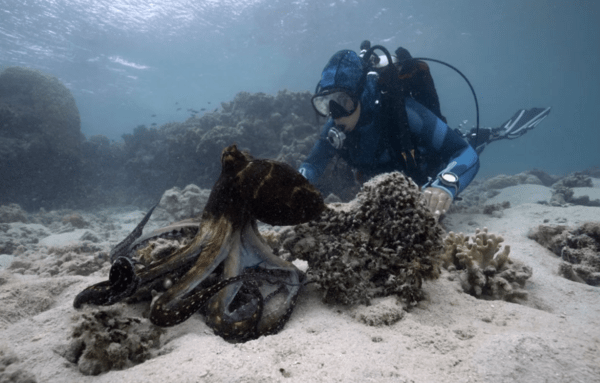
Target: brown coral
pixel 383 243
pixel 485 270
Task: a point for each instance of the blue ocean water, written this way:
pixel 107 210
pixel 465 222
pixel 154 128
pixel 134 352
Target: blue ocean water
pixel 126 60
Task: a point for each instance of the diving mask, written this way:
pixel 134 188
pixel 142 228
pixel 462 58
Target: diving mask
pixel 336 104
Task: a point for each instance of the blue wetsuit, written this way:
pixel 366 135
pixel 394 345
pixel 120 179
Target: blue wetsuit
pixel 438 148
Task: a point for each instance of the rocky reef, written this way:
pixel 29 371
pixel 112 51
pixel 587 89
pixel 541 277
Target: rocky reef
pixel 40 139
pixel 100 172
pixel 502 181
pixel 578 247
pixel 151 160
pixel 563 193
pixel 41 144
pixel 385 242
pixel 483 268
pixel 177 204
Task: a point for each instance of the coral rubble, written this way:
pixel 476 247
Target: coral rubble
pixel 485 270
pixel 104 340
pixel 385 312
pixel 579 248
pixel 385 242
pixel 502 181
pixel 496 209
pixel 563 193
pixel 12 213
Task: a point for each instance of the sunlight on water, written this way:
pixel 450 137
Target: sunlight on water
pixel 125 60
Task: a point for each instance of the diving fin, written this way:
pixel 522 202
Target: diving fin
pixel 522 121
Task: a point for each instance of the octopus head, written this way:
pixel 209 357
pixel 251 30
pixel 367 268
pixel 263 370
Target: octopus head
pixel 234 160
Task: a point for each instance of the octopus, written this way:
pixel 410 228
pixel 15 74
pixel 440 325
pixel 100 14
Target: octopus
pixel 226 271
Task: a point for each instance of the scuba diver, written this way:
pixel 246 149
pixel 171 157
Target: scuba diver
pixel 384 115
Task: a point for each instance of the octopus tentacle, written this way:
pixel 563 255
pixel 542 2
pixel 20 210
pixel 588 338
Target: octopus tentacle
pixel 249 320
pixel 216 249
pixel 122 283
pixel 122 248
pixel 280 285
pixel 202 255
pixel 123 280
pixel 187 227
pixel 164 315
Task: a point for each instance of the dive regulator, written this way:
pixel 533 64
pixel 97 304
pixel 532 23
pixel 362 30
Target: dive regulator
pixel 336 137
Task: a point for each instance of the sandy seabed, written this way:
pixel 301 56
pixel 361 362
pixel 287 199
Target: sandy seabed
pixel 451 336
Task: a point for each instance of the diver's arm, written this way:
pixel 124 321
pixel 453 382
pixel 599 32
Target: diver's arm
pixel 314 165
pixel 460 158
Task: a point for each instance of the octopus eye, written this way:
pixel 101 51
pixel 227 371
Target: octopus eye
pixel 231 153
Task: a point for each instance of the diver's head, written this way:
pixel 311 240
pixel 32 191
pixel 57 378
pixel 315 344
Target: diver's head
pixel 338 93
pixel 402 54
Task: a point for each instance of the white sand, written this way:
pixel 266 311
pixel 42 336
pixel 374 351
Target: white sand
pixel 5 260
pixel 450 337
pixel 63 239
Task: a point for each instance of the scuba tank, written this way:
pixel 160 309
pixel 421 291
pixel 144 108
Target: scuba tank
pixel 397 134
pixel 388 67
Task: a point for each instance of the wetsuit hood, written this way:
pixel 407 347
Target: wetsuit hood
pixel 344 71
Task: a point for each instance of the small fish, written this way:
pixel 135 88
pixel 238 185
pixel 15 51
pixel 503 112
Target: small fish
pixel 193 111
pixel 208 102
pixel 203 109
pixel 176 102
pixel 178 109
pixel 153 124
pixel 154 115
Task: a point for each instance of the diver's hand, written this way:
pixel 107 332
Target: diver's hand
pixel 437 201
